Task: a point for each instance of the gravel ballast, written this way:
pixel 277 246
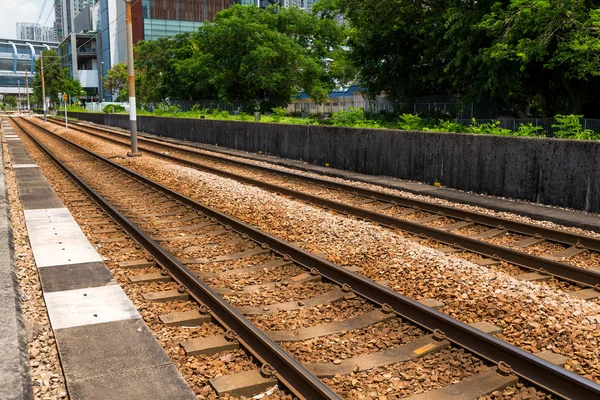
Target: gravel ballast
pixel 534 317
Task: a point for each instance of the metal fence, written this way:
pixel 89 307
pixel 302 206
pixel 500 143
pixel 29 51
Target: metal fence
pixel 478 110
pixel 206 105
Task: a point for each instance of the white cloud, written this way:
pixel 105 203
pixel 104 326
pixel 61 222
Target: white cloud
pixel 13 11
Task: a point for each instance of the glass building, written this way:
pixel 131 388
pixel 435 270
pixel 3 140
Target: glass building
pixel 16 57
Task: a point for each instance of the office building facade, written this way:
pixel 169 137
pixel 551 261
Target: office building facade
pixel 35 32
pixel 16 57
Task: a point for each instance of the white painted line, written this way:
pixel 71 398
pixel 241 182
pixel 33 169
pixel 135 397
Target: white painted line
pixel 56 239
pixel 89 306
pixel 13 139
pixel 25 166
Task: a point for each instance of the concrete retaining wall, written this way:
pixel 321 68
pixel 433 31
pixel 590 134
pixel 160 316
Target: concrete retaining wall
pixel 549 171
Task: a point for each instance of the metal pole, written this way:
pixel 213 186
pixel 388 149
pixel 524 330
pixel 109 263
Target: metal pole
pixel 27 90
pixel 102 81
pixel 19 96
pixel 132 112
pixel 66 120
pixel 344 90
pixel 43 83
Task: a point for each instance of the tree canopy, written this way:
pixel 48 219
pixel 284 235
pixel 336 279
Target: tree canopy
pixel 259 58
pixel 518 53
pixel 116 81
pixel 57 79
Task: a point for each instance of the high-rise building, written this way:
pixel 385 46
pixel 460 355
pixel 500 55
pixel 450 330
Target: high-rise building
pixel 306 5
pixel 58 24
pixel 66 11
pixel 35 32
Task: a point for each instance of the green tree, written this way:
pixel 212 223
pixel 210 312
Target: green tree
pixel 518 53
pixel 115 81
pixel 57 79
pixel 258 57
pixel 265 57
pixel 53 76
pixel 159 72
pixel 10 101
pixel 69 85
pixel 556 40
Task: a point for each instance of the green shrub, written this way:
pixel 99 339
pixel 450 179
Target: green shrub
pixel 410 122
pixel 492 128
pixel 529 130
pixel 113 108
pixel 569 127
pixel 354 117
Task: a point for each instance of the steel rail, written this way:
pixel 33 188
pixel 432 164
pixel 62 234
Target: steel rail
pixel 554 235
pixel 289 371
pixel 581 276
pixel 531 368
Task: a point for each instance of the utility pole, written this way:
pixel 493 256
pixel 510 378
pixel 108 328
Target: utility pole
pixel 27 90
pixel 131 80
pixel 19 96
pixel 43 83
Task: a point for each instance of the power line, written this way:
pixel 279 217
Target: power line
pixel 50 13
pixel 41 12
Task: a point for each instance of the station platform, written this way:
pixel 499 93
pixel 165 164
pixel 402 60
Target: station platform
pixel 15 379
pixel 106 349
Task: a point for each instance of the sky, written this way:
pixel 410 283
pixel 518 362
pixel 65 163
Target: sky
pixel 13 11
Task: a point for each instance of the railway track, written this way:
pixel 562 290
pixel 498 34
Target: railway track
pixel 210 255
pixel 548 252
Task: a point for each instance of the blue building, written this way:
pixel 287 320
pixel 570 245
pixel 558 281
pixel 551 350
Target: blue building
pixel 16 57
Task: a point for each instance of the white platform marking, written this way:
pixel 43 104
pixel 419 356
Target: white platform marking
pixel 89 306
pixel 56 239
pixel 25 166
pixel 12 139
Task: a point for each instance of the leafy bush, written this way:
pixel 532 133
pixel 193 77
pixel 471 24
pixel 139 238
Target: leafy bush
pixel 529 130
pixel 410 122
pixel 569 127
pixel 353 117
pixel 245 117
pixel 278 114
pixel 113 108
pixel 76 108
pixel 488 128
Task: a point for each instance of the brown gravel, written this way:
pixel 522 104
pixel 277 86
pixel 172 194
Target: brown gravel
pixel 354 343
pixel 543 249
pixel 237 282
pixel 431 372
pixel 409 195
pixel 328 244
pixel 46 371
pixel 312 316
pixel 197 370
pixel 281 294
pixel 470 292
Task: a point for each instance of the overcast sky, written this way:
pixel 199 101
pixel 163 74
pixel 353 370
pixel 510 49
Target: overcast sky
pixel 13 11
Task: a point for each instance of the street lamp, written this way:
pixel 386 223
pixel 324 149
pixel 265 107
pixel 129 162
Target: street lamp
pixel 329 61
